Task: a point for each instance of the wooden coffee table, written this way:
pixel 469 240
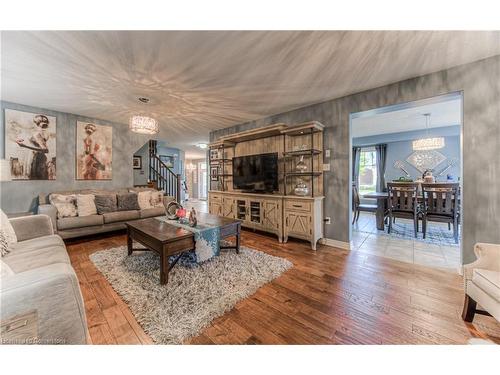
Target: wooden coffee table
pixel 161 237
pixel 228 227
pixel 168 240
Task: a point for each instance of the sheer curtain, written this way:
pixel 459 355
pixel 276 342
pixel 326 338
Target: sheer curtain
pixel 381 154
pixel 356 152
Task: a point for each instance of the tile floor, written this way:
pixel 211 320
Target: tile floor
pixel 367 239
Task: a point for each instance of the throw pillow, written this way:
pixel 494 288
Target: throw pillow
pixel 157 199
pixel 105 203
pixel 127 202
pixel 4 244
pixel 5 270
pixel 144 199
pixel 65 205
pixel 8 235
pixel 85 204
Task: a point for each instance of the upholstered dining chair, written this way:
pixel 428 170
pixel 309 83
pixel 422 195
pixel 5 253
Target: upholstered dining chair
pixel 402 202
pixel 482 283
pixel 441 204
pixel 357 206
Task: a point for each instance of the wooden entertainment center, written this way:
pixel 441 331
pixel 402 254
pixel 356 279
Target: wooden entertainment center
pixel 283 212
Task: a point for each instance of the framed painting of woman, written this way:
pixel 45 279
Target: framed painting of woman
pixel 94 151
pixel 30 145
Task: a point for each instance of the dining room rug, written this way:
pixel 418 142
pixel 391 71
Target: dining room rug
pixel 195 293
pixel 437 233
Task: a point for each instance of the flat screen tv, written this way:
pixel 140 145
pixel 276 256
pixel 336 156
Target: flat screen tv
pixel 256 172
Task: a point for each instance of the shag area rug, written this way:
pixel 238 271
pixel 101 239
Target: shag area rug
pixel 195 293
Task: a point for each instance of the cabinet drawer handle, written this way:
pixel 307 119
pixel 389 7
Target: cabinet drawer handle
pixel 297 205
pixel 16 325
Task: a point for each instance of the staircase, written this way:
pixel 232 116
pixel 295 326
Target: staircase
pixel 161 176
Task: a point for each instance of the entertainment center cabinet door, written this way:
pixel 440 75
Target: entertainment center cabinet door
pixel 298 224
pixel 272 217
pixel 215 204
pixel 229 207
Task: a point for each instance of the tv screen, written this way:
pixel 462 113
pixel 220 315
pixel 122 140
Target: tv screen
pixel 256 172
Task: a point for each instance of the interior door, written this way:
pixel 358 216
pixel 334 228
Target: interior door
pixel 202 180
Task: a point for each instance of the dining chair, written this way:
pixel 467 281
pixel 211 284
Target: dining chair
pixel 402 202
pixel 441 204
pixel 357 206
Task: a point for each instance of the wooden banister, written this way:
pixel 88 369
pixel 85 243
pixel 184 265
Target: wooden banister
pixel 161 175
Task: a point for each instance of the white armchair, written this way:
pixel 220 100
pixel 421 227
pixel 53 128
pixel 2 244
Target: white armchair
pixel 482 282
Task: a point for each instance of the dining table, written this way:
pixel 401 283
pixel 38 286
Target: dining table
pixel 381 197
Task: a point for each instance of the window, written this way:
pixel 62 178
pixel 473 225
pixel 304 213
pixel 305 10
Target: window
pixel 367 180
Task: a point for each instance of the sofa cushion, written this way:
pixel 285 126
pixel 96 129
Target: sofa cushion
pixel 85 205
pixel 8 235
pixel 21 262
pixel 36 244
pixel 79 221
pixel 127 202
pixel 157 199
pixel 5 270
pixel 105 203
pixel 488 281
pixel 65 204
pixel 144 199
pixel 150 212
pixel 113 217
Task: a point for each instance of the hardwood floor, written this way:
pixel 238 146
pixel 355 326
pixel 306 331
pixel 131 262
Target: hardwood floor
pixel 331 296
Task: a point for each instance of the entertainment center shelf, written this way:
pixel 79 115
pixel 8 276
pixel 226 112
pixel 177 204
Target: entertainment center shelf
pixel 281 212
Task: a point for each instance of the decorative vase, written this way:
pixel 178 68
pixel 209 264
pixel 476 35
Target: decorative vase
pixel 428 177
pixel 192 218
pixel 301 189
pixel 180 213
pixel 301 165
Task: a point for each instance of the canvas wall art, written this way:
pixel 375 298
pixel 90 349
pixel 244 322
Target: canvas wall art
pixel 30 145
pixel 94 151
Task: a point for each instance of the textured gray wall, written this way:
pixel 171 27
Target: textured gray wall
pixel 18 196
pixel 480 83
pixel 141 175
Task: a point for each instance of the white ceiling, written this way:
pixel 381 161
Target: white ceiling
pixel 201 81
pixel 446 113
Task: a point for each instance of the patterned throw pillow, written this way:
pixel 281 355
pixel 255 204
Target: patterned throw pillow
pixel 127 202
pixel 157 199
pixel 65 204
pixel 4 244
pixel 105 203
pixel 144 199
pixel 7 234
pixel 85 204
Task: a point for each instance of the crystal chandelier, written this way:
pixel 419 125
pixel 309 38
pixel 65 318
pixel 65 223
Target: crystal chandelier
pixel 425 144
pixel 143 125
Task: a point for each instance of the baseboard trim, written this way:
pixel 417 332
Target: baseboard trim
pixel 335 243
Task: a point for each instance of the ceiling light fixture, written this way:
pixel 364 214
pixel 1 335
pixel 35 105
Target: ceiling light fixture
pixel 202 145
pixel 426 144
pixel 143 124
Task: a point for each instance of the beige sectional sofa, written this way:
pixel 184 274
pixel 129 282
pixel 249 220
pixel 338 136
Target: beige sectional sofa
pixel 71 227
pixel 40 294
